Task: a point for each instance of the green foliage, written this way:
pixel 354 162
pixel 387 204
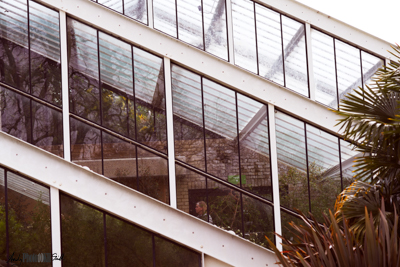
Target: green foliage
pixel 334 245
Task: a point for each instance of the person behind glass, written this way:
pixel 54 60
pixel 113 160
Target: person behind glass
pixel 201 210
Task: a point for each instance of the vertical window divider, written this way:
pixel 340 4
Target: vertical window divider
pixel 310 63
pixel 336 73
pixel 255 28
pixel 240 169
pixel 6 207
pixel 229 24
pixel 308 167
pixel 55 224
pixel 202 25
pixel 30 134
pixel 283 53
pixel 150 14
pixel 274 173
pixel 64 85
pixel 170 132
pixel 105 239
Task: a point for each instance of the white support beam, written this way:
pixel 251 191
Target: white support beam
pixel 311 80
pixel 64 85
pixel 217 69
pixel 130 205
pixel 170 132
pixel 274 173
pixel 150 12
pixel 229 23
pixel 55 224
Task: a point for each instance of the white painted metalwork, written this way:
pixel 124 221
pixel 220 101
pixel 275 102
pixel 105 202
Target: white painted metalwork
pixel 55 224
pixel 170 133
pixel 311 80
pixel 131 205
pixel 274 173
pixel 150 17
pixel 64 85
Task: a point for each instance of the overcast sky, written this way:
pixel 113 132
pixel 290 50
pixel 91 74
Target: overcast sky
pixel 380 18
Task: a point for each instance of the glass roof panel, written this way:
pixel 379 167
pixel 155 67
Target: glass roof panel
pixel 244 36
pixel 324 68
pixel 370 64
pixel 269 43
pixel 28 188
pixel 190 22
pixel 165 16
pixel 14 21
pixel 113 4
pixel 136 9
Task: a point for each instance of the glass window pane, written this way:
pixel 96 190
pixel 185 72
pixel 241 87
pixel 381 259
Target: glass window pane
pixel 15 112
pixel 169 254
pixel 258 219
pixel 294 45
pixel 45 53
pixel 83 70
pixel 244 35
pixel 215 33
pixel 286 219
pixel 188 117
pixel 113 4
pixel 348 156
pixel 324 171
pixel 29 226
pixel 269 43
pixel 153 175
pixel 14 53
pixel 127 245
pixel 3 235
pixel 324 68
pixel 165 16
pixel 224 206
pixel 370 64
pixel 150 100
pixel 254 147
pixel 292 164
pixel 191 193
pixel 82 233
pixel 115 111
pixel 86 146
pixel 220 119
pixel 47 129
pixel 348 68
pixel 190 22
pixel 119 160
pixel 136 9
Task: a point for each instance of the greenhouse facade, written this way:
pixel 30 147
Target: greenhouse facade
pixel 173 132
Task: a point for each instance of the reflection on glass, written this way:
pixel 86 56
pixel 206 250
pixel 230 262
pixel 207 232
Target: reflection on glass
pixel 224 207
pixel 348 156
pixel 136 9
pixel 165 16
pixel 127 245
pixel 370 64
pixel 292 163
pixel 169 254
pixel 86 146
pixel 190 22
pixel 258 219
pixel 269 43
pixel 188 117
pixel 47 129
pixel 82 234
pixel 286 219
pixel 254 147
pixel 83 70
pixel 153 175
pixel 14 55
pixel 115 63
pixel 294 47
pixel 115 112
pixel 324 171
pixel 191 193
pixel 45 53
pixel 15 114
pixel 324 68
pixel 119 159
pixel 113 4
pixel 348 68
pixel 28 216
pixel 220 118
pixel 215 33
pixel 3 234
pixel 244 35
pixel 150 100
